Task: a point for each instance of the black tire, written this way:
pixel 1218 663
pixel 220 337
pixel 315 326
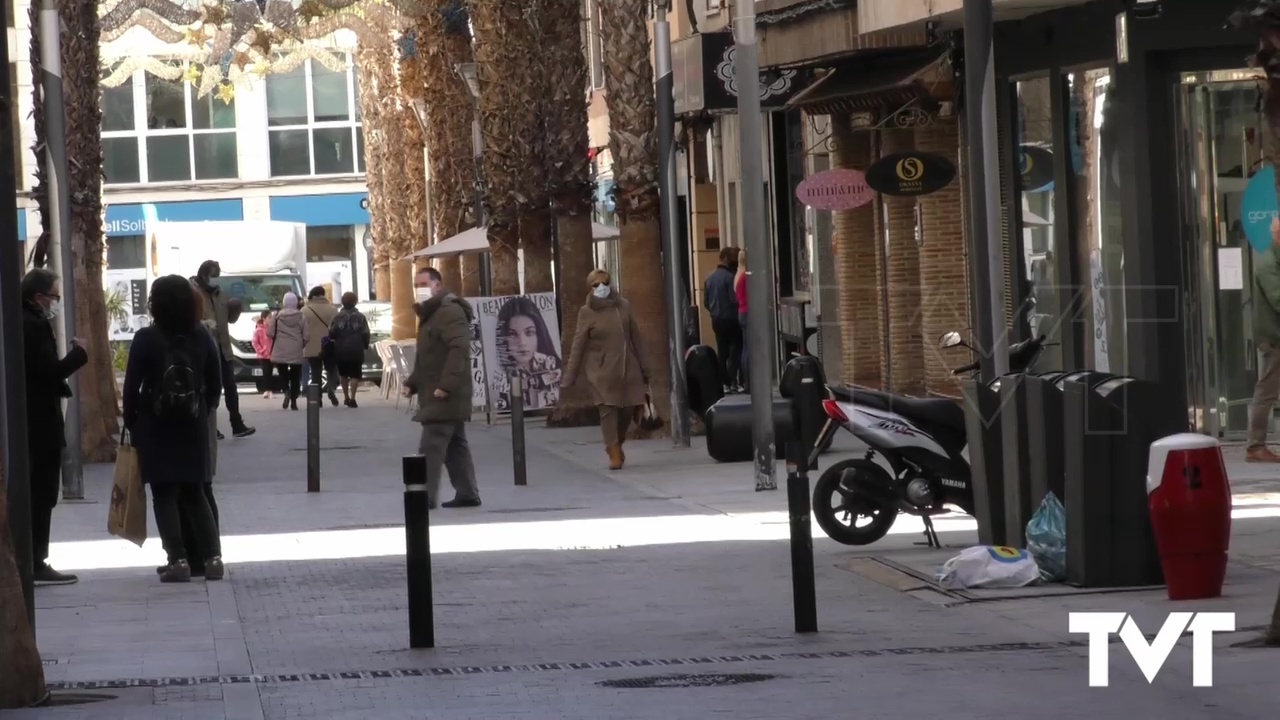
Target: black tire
pixel 825 510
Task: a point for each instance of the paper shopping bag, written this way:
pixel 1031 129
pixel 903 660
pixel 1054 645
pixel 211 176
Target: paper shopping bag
pixel 127 516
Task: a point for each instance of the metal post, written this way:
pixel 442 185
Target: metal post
pixel 13 389
pixel 59 206
pixel 983 166
pixel 517 429
pixel 803 591
pixel 477 151
pixel 313 436
pixel 761 337
pixel 674 287
pixel 417 553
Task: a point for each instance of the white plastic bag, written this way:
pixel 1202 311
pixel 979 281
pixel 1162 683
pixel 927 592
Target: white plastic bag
pixel 988 567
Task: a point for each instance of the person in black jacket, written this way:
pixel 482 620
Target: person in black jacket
pixel 47 376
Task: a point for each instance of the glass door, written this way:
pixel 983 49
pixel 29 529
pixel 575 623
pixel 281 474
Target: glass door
pixel 1220 149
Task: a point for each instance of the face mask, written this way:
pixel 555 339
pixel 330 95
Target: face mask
pixel 600 291
pixel 55 309
pixel 423 294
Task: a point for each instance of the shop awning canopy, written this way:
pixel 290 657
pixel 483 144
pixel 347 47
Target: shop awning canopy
pixel 872 82
pixel 476 240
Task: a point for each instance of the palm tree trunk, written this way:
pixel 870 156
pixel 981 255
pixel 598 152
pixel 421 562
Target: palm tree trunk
pixel 374 63
pixel 506 58
pixel 535 239
pixel 632 119
pixel 449 113
pixel 569 172
pixel 400 280
pixel 22 682
pixel 99 411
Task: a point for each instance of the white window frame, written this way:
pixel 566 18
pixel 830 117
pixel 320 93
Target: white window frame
pixel 594 40
pixel 353 125
pixel 141 132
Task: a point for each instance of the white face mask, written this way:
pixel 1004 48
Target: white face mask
pixel 601 291
pixel 55 309
pixel 423 294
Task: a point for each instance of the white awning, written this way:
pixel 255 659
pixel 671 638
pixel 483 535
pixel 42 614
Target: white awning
pixel 476 240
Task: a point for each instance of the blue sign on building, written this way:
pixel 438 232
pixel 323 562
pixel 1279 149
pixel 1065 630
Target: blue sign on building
pixel 1259 207
pixel 22 224
pixel 132 219
pixel 321 210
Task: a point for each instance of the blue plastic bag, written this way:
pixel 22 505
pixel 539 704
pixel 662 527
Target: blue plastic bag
pixel 1047 539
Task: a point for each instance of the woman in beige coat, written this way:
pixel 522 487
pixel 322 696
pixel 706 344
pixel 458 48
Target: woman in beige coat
pixel 606 347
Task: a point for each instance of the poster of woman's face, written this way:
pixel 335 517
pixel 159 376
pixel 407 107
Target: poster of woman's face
pixel 521 337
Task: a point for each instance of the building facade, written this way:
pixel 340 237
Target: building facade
pixel 288 146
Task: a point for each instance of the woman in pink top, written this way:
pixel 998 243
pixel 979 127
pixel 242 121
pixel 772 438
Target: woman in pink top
pixel 740 290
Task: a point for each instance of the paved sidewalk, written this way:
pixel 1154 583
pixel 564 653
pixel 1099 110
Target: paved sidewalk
pixel 673 565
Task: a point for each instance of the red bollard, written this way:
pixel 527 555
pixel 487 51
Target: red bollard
pixel 1189 498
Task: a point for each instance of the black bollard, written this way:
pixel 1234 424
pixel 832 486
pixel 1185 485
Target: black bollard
pixel 313 438
pixel 517 430
pixel 803 592
pixel 805 385
pixel 417 553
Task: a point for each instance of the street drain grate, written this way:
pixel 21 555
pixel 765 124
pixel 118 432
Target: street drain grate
pixel 71 698
pixel 686 681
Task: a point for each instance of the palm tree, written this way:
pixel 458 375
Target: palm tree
pixel 632 137
pixel 412 87
pixel 396 113
pixel 506 63
pixel 22 682
pixel 445 43
pixel 99 411
pixel 375 64
pixel 564 115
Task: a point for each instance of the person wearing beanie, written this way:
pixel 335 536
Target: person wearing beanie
pixel 289 333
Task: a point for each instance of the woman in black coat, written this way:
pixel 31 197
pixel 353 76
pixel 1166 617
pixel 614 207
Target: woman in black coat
pixel 171 388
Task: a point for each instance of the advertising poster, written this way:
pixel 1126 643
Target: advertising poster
pixel 520 333
pixel 479 389
pixel 126 295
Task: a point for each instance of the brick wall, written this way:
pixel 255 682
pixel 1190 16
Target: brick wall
pixel 904 353
pixel 854 241
pixel 944 275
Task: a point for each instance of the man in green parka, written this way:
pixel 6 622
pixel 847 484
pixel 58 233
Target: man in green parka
pixel 1266 329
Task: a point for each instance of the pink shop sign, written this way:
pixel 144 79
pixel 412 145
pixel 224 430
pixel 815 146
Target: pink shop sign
pixel 839 189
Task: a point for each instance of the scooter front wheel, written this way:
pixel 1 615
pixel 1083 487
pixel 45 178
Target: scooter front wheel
pixel 833 501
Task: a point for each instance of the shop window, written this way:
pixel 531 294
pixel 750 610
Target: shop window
pixel 330 243
pixel 313 119
pixel 1036 156
pixel 1099 236
pixel 126 252
pixel 157 130
pixel 594 44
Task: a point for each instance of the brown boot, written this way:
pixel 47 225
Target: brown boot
pixel 1261 454
pixel 615 457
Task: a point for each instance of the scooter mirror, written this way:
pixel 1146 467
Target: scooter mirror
pixel 950 340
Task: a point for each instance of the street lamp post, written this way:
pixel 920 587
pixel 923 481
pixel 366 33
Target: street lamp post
pixel 470 75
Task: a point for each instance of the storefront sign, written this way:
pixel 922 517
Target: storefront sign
pixel 839 189
pixel 1259 208
pixel 132 219
pixel 910 174
pixel 1036 168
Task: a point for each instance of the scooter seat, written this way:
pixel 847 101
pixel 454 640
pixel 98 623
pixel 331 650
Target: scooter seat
pixel 938 413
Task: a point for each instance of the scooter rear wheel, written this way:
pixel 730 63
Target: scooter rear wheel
pixel 831 501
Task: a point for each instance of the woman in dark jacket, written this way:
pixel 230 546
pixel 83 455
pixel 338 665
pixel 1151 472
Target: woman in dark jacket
pixel 350 334
pixel 171 389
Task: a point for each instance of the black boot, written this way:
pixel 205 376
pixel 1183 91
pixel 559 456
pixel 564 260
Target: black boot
pixel 176 572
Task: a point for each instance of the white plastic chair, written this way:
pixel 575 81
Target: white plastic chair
pixel 387 385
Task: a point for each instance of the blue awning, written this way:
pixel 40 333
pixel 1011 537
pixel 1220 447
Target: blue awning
pixel 321 210
pixel 132 219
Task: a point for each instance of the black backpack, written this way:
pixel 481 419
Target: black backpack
pixel 178 396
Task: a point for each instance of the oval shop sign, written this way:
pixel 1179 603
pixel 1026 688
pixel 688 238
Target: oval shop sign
pixel 1036 168
pixel 1259 207
pixel 910 174
pixel 839 189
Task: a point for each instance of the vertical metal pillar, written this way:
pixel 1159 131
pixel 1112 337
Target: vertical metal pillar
pixel 13 389
pixel 674 286
pixel 417 554
pixel 761 313
pixel 313 435
pixel 519 458
pixel 984 171
pixel 59 205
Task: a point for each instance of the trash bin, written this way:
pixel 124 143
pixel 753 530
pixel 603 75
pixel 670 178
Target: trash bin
pixel 1108 428
pixel 1016 452
pixel 1044 430
pixel 986 463
pixel 729 436
pixel 1189 499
